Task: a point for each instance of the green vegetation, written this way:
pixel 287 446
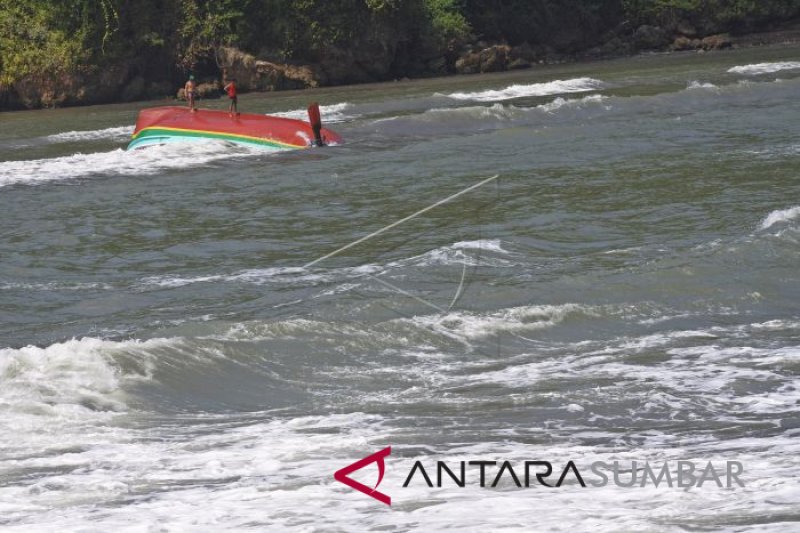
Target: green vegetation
pixel 447 21
pixel 736 15
pixel 34 40
pixel 42 40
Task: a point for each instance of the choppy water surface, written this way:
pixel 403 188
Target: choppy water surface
pixel 626 290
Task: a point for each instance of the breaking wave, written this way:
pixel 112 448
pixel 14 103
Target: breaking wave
pixel 330 113
pixel 560 102
pixel 478 112
pixel 460 253
pixel 780 216
pixel 117 134
pixel 445 120
pixel 69 379
pixel 575 85
pixel 119 162
pixel 700 85
pixel 756 69
pixel 512 320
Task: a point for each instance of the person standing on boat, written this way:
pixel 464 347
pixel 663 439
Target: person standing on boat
pixel 230 88
pixel 190 89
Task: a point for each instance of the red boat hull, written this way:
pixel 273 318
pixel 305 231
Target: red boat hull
pixel 161 125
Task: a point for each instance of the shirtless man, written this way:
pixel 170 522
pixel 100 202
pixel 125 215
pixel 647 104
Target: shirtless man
pixel 189 89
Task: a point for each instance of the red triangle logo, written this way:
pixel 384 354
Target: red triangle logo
pixel 377 457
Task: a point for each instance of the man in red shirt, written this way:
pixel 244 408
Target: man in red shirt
pixel 230 88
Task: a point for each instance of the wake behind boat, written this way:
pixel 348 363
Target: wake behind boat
pixel 161 125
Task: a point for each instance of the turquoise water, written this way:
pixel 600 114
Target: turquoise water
pixel 627 289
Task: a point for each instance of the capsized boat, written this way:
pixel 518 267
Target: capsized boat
pixel 161 125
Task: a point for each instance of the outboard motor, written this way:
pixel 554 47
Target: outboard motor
pixel 315 120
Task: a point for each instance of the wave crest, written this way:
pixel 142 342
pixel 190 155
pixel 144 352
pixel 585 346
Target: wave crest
pixel 116 133
pixel 119 162
pixel 780 216
pixel 466 325
pixel 756 69
pixel 68 379
pixel 575 85
pixel 330 113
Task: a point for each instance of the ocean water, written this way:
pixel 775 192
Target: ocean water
pixel 173 357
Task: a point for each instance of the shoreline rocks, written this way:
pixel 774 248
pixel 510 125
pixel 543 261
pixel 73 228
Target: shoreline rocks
pixel 253 74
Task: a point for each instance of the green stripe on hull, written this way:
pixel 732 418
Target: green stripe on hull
pixel 152 136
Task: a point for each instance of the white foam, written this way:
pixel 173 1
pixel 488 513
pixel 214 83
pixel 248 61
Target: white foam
pixel 780 216
pixel 120 162
pixel 267 475
pixel 54 286
pixel 479 112
pixel 560 102
pixel 57 396
pixel 756 69
pixel 57 402
pixel 467 325
pixel 116 134
pixel 469 253
pixel 103 464
pixel 700 85
pixel 67 378
pixel 487 115
pixel 329 113
pixel 264 471
pixel 447 255
pixel 293 328
pixel 575 85
pixel 695 364
pixel 260 276
pixel 490 245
